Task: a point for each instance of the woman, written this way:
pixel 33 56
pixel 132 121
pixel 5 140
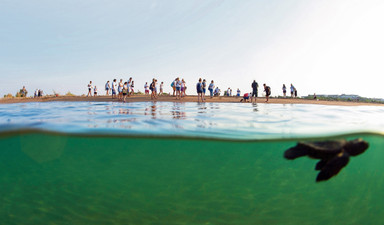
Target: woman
pixel 284 90
pixel 125 91
pixel 107 87
pixel 132 86
pixel 90 89
pixel 204 86
pixel 183 88
pixel 120 89
pixel 210 88
pixel 178 88
pixel 199 89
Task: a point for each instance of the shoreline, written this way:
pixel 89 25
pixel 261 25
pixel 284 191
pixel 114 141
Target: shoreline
pixel 192 98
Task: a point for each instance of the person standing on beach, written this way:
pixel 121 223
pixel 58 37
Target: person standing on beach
pixel 125 91
pixel 107 87
pixel 132 88
pixel 89 89
pixel 211 87
pixel 267 90
pixel 204 87
pixel 161 88
pixel 173 85
pixel 113 88
pixel 146 88
pixel 120 89
pixel 183 88
pixel 199 89
pixel 156 88
pixel 152 87
pixel 292 90
pixel 178 88
pixel 95 91
pixel 284 91
pixel 238 92
pixel 254 86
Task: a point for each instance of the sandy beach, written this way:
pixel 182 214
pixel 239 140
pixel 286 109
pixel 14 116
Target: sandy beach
pixel 145 98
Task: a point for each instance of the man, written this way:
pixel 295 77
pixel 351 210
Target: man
pixel 255 86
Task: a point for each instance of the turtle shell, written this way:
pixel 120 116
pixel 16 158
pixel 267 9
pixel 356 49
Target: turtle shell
pixel 323 149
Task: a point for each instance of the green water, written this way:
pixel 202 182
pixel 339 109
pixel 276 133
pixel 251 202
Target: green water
pixel 58 179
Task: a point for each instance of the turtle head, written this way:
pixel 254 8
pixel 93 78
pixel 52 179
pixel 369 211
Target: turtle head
pixel 356 147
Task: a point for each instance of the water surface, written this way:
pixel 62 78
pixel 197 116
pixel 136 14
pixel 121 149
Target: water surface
pixel 184 163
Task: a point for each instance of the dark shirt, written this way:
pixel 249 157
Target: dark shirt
pixel 254 86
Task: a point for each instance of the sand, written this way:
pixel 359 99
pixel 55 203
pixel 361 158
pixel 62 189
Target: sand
pixel 145 98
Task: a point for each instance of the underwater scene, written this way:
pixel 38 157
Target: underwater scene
pixel 189 163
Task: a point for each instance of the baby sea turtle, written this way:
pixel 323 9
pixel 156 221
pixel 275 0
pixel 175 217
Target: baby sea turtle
pixel 333 155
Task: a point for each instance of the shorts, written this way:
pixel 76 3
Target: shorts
pixel 113 91
pixel 124 93
pixel 204 90
pixel 246 98
pixel 199 91
pixel 89 89
pixel 254 93
pixel 177 88
pixel 95 93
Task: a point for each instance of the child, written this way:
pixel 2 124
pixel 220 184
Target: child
pixel 114 88
pixel 146 88
pixel 267 90
pixel 161 88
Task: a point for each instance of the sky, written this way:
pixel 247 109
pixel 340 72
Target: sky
pixel 322 47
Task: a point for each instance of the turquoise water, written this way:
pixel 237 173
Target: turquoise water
pixel 166 163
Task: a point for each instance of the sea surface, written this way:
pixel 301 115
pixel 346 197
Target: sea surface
pixel 184 163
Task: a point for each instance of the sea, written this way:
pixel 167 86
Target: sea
pixel 184 163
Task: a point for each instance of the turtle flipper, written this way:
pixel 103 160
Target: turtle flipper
pixel 296 152
pixel 320 164
pixel 333 167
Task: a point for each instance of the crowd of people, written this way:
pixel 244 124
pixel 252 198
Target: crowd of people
pixel 121 90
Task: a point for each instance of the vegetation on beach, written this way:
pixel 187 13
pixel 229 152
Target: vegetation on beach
pixel 69 94
pixel 343 99
pixel 9 95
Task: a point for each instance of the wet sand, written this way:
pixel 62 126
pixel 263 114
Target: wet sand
pixel 146 98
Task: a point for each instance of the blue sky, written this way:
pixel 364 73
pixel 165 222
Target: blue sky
pixel 331 47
